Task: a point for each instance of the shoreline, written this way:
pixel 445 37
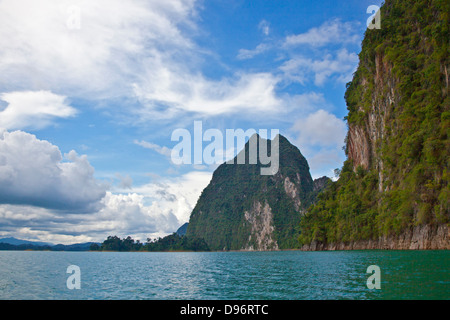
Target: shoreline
pixel 424 237
pixel 419 238
pixel 244 251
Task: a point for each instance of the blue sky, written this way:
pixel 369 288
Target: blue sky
pixel 90 94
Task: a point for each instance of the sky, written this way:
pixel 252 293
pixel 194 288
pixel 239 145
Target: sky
pixel 91 92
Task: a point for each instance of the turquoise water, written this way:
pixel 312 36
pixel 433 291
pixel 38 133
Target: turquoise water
pixel 225 275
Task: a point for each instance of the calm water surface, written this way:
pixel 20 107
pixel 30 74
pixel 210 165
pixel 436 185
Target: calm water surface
pixel 225 275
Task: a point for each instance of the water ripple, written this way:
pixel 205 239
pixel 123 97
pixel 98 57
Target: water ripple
pixel 225 275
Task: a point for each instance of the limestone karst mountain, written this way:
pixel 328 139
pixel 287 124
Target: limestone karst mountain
pixel 243 210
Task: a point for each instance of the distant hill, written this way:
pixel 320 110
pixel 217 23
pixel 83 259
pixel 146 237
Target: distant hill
pixel 74 247
pixel 17 242
pixel 182 230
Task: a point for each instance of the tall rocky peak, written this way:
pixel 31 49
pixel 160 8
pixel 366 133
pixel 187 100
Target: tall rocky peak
pixel 396 177
pixel 243 210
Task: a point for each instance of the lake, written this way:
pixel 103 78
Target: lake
pixel 225 275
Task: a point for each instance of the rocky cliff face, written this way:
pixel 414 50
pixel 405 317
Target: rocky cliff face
pixel 262 230
pixel 395 183
pixel 243 210
pixel 418 238
pixel 365 137
pixel 321 183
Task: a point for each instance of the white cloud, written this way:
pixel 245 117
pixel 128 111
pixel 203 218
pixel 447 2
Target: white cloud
pixel 33 172
pixel 264 26
pixel 301 69
pixel 330 32
pixel 33 109
pixel 318 55
pixel 178 194
pixel 155 209
pixel 188 92
pixel 126 214
pixel 321 129
pixel 40 50
pixel 248 54
pixel 244 54
pixel 153 146
pixel 320 137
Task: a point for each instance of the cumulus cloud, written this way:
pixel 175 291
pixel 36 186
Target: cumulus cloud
pixel 125 182
pixel 154 209
pixel 33 172
pixel 320 137
pixel 321 128
pixel 151 210
pixel 127 214
pixel 33 109
pixel 178 194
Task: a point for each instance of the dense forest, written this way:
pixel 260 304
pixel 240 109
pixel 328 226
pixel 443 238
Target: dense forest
pixel 397 173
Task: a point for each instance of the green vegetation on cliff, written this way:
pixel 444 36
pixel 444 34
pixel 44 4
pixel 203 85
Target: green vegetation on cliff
pixel 397 173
